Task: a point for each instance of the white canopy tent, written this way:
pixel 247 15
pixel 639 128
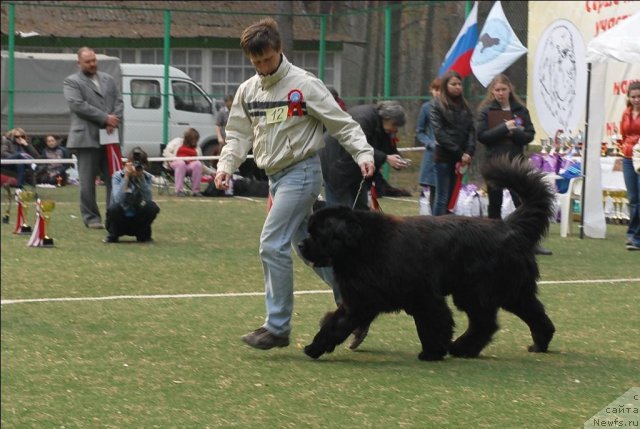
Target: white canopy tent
pixel 619 44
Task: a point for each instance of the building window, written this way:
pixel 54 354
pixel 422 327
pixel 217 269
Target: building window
pixel 189 61
pixel 229 68
pixel 309 62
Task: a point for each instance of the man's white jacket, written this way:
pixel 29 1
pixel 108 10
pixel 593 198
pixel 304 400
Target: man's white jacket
pixel 256 121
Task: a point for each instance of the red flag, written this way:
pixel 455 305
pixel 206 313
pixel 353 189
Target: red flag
pixel 115 158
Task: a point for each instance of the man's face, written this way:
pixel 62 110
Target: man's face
pixel 267 62
pixel 88 63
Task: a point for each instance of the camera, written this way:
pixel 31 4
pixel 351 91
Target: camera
pixel 137 161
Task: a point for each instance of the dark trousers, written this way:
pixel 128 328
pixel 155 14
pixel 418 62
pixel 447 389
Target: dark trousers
pixel 19 169
pixel 138 225
pixel 495 201
pixel 92 162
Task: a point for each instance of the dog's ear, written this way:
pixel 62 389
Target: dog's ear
pixel 346 231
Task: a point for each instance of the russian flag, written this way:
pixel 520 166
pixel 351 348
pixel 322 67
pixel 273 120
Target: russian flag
pixel 459 56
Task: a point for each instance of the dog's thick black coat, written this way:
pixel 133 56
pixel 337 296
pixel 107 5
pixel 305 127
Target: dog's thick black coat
pixel 387 263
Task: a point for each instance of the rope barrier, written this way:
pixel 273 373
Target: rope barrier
pixel 151 159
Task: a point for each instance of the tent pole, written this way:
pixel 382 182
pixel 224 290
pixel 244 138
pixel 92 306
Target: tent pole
pixel 585 153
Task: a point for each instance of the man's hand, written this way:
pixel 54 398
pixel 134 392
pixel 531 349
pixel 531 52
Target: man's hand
pixel 367 169
pixel 112 121
pixel 222 180
pixel 129 170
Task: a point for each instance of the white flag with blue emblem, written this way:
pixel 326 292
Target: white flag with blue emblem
pixel 498 47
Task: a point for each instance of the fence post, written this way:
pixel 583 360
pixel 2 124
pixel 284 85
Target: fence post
pixel 387 68
pixel 323 46
pixel 167 61
pixel 10 65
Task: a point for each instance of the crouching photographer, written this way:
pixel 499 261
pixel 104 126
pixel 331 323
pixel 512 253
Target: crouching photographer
pixel 131 209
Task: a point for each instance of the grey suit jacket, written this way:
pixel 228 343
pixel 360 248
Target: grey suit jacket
pixel 90 107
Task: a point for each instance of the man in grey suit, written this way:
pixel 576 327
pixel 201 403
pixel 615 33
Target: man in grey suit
pixel 95 103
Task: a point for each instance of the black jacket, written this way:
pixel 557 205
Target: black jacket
pixel 493 133
pixel 338 167
pixel 454 131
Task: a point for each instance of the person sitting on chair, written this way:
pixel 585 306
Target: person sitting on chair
pixel 187 145
pixel 15 145
pixel 131 209
pixel 54 173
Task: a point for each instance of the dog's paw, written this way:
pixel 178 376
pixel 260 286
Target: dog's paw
pixel 430 356
pixel 534 348
pixel 313 352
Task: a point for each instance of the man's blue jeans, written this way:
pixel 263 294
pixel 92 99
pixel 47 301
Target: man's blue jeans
pixel 632 182
pixel 294 190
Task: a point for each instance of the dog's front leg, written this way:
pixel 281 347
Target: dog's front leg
pixel 336 327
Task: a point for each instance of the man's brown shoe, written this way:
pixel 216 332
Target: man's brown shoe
pixel 262 339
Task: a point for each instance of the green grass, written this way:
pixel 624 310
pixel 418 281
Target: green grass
pixel 179 363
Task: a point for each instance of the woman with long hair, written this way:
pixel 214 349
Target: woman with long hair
pixel 504 127
pixel 452 122
pixel 630 129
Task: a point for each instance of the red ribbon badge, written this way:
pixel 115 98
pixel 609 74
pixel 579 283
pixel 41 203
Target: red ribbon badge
pixel 295 102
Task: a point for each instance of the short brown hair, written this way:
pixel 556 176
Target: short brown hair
pixel 257 37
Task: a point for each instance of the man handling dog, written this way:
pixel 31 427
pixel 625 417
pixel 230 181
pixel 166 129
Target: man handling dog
pixel 280 113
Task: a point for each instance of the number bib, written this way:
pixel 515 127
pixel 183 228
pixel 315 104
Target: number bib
pixel 276 114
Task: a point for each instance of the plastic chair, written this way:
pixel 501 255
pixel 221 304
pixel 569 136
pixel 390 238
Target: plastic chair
pixel 574 192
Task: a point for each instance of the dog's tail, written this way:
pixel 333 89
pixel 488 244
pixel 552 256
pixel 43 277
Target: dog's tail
pixel 531 219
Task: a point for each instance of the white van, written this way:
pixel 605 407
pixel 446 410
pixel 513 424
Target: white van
pixel 40 107
pixel 189 107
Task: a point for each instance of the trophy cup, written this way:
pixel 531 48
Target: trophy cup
pixel 543 145
pixel 23 197
pixel 47 207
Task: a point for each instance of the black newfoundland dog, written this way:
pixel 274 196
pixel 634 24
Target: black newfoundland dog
pixel 388 263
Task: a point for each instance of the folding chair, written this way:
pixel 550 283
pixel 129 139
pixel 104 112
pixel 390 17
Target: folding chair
pixel 167 182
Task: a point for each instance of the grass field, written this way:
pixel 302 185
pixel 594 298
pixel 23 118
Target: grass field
pixel 158 346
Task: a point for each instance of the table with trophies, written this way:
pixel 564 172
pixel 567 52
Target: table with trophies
pixel 560 157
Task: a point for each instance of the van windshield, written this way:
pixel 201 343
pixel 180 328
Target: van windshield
pixel 188 97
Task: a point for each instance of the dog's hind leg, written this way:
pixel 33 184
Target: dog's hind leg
pixel 531 311
pixel 434 323
pixel 482 326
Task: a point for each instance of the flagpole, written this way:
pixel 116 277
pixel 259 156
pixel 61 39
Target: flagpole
pixel 468 4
